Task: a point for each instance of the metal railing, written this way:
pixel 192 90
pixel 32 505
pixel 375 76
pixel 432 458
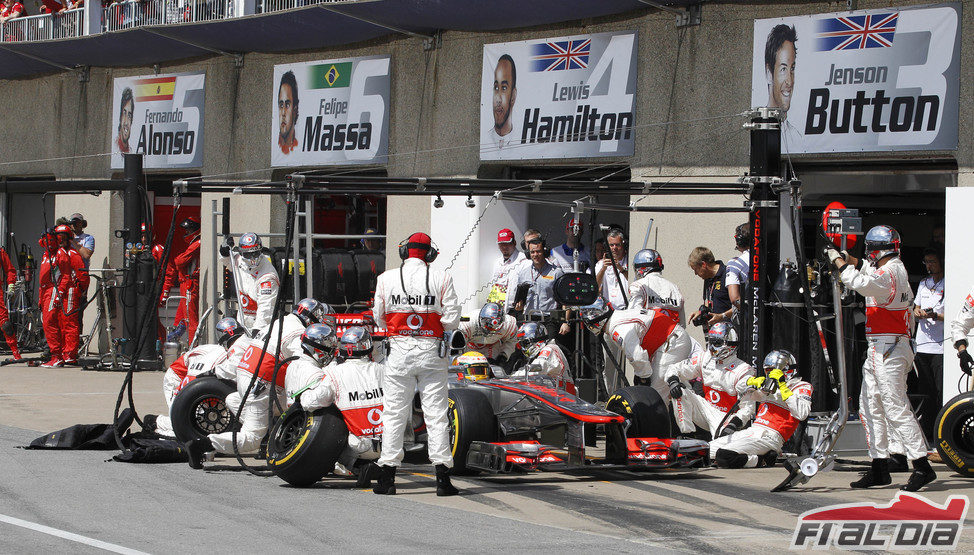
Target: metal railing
pixel 267 6
pixel 135 13
pixel 44 27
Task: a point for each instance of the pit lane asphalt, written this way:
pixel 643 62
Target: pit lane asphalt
pixel 163 508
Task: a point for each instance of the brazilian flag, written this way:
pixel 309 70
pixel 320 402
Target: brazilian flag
pixel 330 76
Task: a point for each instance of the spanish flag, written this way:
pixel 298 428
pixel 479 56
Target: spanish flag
pixel 156 88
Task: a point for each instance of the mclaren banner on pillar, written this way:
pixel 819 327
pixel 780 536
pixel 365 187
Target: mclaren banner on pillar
pixel 160 116
pixel 563 97
pixel 872 80
pixel 331 112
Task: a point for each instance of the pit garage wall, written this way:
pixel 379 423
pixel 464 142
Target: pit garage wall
pixel 696 77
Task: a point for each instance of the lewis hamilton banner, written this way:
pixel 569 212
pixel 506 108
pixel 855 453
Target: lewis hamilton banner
pixel 870 80
pixel 331 112
pixel 563 97
pixel 160 116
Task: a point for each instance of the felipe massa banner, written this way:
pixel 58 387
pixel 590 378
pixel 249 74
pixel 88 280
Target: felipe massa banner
pixel 564 97
pixel 160 116
pixel 331 112
pixel 871 80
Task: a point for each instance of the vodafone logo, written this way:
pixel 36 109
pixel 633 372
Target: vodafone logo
pixel 414 321
pixel 714 396
pixel 763 410
pixel 375 416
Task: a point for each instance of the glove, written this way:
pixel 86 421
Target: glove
pixel 162 300
pixel 776 375
pixel 755 382
pixel 224 251
pixel 177 332
pixel 732 426
pixel 966 362
pixel 10 288
pixel 785 391
pixel 770 386
pixel 676 387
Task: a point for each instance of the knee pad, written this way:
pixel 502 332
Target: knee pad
pixel 726 458
pixel 8 328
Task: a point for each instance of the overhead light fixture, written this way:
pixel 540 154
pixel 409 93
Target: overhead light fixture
pixel 470 203
pixel 438 203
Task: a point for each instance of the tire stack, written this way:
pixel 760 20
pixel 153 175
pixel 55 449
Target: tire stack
pixel 343 278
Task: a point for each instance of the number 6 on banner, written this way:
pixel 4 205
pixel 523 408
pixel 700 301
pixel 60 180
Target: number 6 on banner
pixel 360 104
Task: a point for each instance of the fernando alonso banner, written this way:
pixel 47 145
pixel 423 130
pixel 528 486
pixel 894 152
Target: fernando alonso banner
pixel 160 116
pixel 331 112
pixel 870 80
pixel 564 97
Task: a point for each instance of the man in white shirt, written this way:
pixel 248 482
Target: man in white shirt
pixel 612 271
pixel 739 266
pixel 928 308
pixel 564 254
pixel 507 261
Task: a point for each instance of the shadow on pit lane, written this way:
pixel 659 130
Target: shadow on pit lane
pixel 591 476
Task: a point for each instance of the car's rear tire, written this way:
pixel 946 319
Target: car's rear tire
pixel 471 419
pixel 645 410
pixel 304 446
pixel 954 432
pixel 200 408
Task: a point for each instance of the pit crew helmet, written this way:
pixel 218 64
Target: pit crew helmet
pixel 595 315
pixel 491 318
pixel 251 248
pixel 881 241
pixel 781 360
pixel 191 226
pixel 319 342
pixel 229 330
pixel 647 261
pixel 531 338
pixel 722 340
pixel 310 311
pixel 356 342
pixel 473 366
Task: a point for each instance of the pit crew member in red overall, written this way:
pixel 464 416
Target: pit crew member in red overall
pixel 9 275
pixel 187 264
pixel 492 333
pixel 544 356
pixel 192 363
pixel 785 402
pixel 73 281
pixel 651 339
pixel 416 305
pixel 258 283
pixel 884 407
pixel 48 298
pixel 720 370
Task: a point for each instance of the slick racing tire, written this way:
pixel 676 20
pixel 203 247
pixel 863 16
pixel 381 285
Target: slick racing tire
pixel 954 432
pixel 471 419
pixel 304 446
pixel 199 409
pixel 645 410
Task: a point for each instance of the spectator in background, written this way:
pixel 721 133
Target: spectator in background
pixel 599 249
pixel 528 237
pixel 373 244
pixel 928 307
pixel 564 255
pixel 715 297
pixel 51 6
pixel 612 284
pixel 739 266
pixel 12 9
pixel 82 242
pixel 938 238
pixel 540 275
pixel 508 260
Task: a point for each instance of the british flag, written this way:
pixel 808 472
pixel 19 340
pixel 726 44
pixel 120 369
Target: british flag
pixel 560 55
pixel 856 32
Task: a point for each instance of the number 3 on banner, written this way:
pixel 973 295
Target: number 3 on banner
pixel 360 104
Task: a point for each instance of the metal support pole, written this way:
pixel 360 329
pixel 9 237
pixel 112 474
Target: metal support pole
pixel 309 227
pixel 217 268
pixel 137 303
pixel 295 265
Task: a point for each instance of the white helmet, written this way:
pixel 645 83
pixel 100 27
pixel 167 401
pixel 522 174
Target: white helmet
pixel 356 342
pixel 881 241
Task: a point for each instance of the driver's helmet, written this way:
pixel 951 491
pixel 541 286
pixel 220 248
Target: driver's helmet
pixel 722 340
pixel 356 342
pixel 310 311
pixel 647 261
pixel 595 315
pixel 251 248
pixel 319 342
pixel 228 330
pixel 473 366
pixel 781 360
pixel 491 318
pixel 881 241
pixel 531 338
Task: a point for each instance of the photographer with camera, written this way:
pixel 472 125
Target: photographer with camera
pixel 716 305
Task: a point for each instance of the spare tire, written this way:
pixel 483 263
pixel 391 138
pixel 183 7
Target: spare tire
pixel 954 432
pixel 647 413
pixel 304 446
pixel 471 419
pixel 200 408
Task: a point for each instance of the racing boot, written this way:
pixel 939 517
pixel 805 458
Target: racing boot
pixel 386 482
pixel 367 473
pixel 878 475
pixel 197 449
pixel 922 475
pixel 898 463
pixel 443 486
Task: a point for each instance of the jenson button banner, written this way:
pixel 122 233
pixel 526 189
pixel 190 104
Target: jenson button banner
pixel 563 97
pixel 160 116
pixel 331 112
pixel 871 80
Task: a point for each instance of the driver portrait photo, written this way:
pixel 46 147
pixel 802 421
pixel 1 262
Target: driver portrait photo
pixel 780 53
pixel 125 115
pixel 287 108
pixel 503 133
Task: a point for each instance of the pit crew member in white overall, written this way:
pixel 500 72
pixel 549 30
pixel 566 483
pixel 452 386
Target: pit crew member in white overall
pixel 492 333
pixel 544 356
pixel 785 402
pixel 650 288
pixel 720 370
pixel 959 328
pixel 883 403
pixel 416 305
pixel 256 281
